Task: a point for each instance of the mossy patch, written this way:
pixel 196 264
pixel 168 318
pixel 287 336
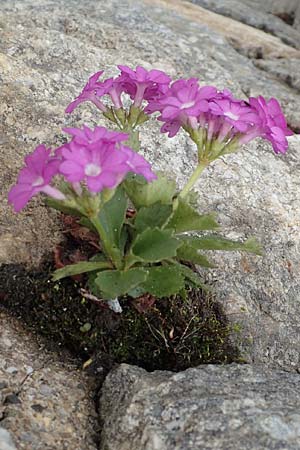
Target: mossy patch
pixel 171 334
pixel 167 334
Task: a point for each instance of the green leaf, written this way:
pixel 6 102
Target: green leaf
pixel 146 194
pixel 114 283
pixel 154 245
pixel 185 218
pixel 188 253
pixel 81 267
pixel 112 216
pixel 193 277
pixel 137 291
pixel 164 281
pixel 213 242
pixel 152 216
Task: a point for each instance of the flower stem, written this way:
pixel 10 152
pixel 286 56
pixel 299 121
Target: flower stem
pixel 111 251
pixel 194 177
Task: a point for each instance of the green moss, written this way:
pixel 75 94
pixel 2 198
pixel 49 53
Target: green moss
pixel 172 334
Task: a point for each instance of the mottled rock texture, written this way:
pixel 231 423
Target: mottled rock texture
pixel 44 404
pixel 48 50
pixel 257 14
pixel 208 408
pixel 261 15
pixel 6 442
pixel 279 18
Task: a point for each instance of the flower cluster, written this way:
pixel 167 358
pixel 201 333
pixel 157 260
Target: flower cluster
pixel 216 120
pixel 139 84
pixel 98 158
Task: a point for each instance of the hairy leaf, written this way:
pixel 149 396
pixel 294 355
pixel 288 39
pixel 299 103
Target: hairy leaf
pixel 152 216
pixel 213 242
pixel 114 283
pixel 164 281
pixel 146 194
pixel 189 253
pixel 193 277
pixel 154 245
pixel 186 218
pixel 81 267
pixel 112 216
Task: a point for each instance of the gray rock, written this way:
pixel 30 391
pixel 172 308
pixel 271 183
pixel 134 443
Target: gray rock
pixel 46 61
pixel 6 442
pixel 44 404
pixel 254 14
pixel 286 70
pixel 208 408
pixel 287 10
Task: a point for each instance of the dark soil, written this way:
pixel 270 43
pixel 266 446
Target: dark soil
pixel 167 334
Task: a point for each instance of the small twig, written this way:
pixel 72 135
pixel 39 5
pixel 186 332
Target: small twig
pixel 187 327
pixel 159 333
pixel 92 297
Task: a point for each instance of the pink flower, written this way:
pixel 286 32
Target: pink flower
pixel 101 164
pixel 273 125
pixel 182 103
pixel 92 92
pixel 137 164
pixel 34 178
pixel 141 84
pixel 236 113
pixel 87 136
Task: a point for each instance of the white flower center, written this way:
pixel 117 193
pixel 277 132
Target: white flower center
pixel 187 105
pixel 231 115
pixel 92 170
pixel 38 182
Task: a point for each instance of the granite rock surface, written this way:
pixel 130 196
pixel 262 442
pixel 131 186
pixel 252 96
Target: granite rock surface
pixel 6 442
pixel 44 404
pixel 209 408
pixel 258 15
pixel 47 51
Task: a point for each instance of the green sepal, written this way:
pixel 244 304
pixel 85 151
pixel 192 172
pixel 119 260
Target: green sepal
pixel 145 194
pixel 154 245
pixel 77 269
pixel 62 207
pixel 115 283
pixel 152 216
pixel 163 281
pixel 189 253
pixel 120 113
pixel 212 242
pixel 142 118
pixel 186 218
pixel 109 114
